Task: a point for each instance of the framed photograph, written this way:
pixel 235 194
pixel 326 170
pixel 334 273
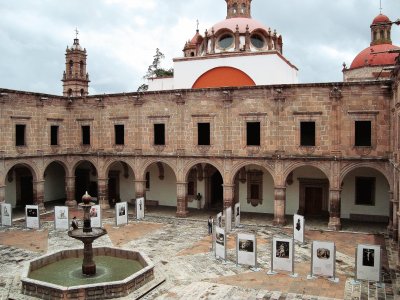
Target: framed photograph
pixel 246 249
pixel 228 219
pixel 237 214
pixel 282 254
pixel 323 259
pixel 140 208
pixel 6 214
pixel 298 228
pixel 61 218
pixel 121 213
pixel 95 216
pixel 32 216
pixel 220 243
pixel 368 262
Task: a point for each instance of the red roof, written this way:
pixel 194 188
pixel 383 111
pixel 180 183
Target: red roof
pixel 380 19
pixel 373 56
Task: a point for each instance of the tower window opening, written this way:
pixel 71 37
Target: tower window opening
pixel 82 92
pixel 69 92
pixel 253 133
pixel 81 65
pixel 203 130
pixel 119 134
pixel 362 134
pixel 85 135
pixel 307 133
pixel 20 135
pixel 382 35
pixel 70 67
pixel 243 8
pixel 159 134
pixel 234 8
pixel 54 135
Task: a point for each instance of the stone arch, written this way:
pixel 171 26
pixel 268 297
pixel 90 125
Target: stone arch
pixel 236 168
pixel 353 166
pixel 60 162
pixel 296 165
pixel 190 164
pixel 109 163
pixel 88 159
pixel 155 161
pixel 30 165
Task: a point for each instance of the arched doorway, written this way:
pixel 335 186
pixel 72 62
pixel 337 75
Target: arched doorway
pixel 54 184
pixel 254 189
pixel 160 186
pixel 85 180
pixel 307 192
pixel 365 195
pixel 121 185
pixel 19 186
pixel 216 191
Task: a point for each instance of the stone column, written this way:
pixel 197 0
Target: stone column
pixel 140 188
pixel 395 221
pixel 70 192
pixel 334 209
pixel 279 206
pixel 228 195
pixel 102 193
pixel 181 202
pixel 398 243
pixel 38 189
pixel 2 193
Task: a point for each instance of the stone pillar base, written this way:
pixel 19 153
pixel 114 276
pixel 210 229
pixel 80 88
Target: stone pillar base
pixel 279 222
pixel 334 224
pixel 182 214
pixel 71 203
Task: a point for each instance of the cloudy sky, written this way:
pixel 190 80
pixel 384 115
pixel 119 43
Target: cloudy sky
pixel 121 36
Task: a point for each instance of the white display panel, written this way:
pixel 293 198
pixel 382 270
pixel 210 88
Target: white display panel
pixel 246 248
pixel 282 254
pixel 228 219
pixel 61 218
pixel 140 208
pixel 220 243
pixel 219 220
pixel 237 214
pixel 6 214
pixel 32 216
pixel 95 216
pixel 121 213
pixel 368 262
pixel 323 258
pixel 298 228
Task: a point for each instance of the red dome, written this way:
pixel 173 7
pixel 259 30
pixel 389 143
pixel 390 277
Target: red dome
pixel 380 19
pixel 367 57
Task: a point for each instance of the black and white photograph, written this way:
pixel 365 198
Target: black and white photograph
pixel 139 208
pixel 298 228
pixel 282 249
pixel 93 212
pixel 323 253
pixel 219 238
pixel 95 216
pixel 61 221
pixel 121 211
pixel 62 214
pixel 237 214
pixel 368 262
pixel 368 257
pixel 6 214
pixel 32 216
pixel 246 245
pixel 121 214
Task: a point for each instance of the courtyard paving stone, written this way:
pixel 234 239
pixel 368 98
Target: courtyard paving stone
pixel 181 252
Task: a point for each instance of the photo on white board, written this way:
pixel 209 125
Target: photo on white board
pixel 246 245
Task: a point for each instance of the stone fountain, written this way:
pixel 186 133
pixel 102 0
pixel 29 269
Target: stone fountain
pixel 87 235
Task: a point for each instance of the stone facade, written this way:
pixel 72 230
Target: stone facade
pixel 279 110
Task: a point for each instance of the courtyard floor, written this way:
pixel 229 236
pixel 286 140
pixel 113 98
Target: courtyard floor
pixel 185 263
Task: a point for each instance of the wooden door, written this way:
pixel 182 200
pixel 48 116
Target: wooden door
pixel 313 201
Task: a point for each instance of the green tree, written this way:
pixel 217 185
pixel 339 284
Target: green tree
pixel 155 70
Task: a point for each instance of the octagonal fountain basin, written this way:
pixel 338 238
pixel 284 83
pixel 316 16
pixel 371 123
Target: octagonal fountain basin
pixel 59 275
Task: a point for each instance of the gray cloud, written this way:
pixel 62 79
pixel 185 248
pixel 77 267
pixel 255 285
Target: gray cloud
pixel 121 36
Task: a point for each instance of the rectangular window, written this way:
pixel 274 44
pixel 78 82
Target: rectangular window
pixel 362 134
pixel 54 135
pixel 119 134
pixel 20 135
pixel 365 191
pixel 307 134
pixel 203 133
pixel 253 133
pixel 147 181
pixel 159 134
pixel 255 191
pixel 85 135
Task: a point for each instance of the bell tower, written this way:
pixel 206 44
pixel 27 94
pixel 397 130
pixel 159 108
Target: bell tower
pixel 238 9
pixel 75 79
pixel 380 30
